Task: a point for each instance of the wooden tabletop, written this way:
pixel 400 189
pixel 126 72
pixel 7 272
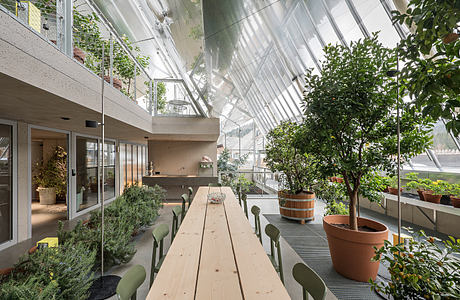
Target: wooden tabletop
pixel 216 255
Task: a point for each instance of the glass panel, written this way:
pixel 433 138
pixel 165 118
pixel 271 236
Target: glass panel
pixel 319 16
pixel 135 176
pixel 376 19
pixel 129 165
pixel 109 170
pixel 87 162
pixel 6 187
pixel 122 167
pixel 139 165
pixel 445 149
pixel 343 18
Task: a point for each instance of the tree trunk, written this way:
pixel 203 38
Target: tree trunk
pixel 353 220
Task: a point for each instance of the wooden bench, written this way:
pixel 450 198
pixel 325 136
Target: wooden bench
pixel 216 255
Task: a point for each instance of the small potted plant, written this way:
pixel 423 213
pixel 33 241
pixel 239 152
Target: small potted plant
pixel 455 195
pixel 51 177
pixel 299 174
pixel 393 185
pixel 418 184
pixel 435 190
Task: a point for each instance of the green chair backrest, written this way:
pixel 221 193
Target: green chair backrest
pixel 214 184
pixel 184 208
pixel 159 233
pixel 177 212
pixel 310 281
pixel 190 193
pixel 274 235
pixel 244 198
pixel 256 212
pixel 238 191
pixel 127 287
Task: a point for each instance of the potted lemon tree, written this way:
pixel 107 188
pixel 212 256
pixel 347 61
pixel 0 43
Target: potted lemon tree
pixel 350 127
pixel 51 177
pixel 298 173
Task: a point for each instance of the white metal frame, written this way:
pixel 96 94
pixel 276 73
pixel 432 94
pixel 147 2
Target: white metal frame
pixel 14 216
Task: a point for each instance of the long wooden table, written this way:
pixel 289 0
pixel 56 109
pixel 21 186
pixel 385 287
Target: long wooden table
pixel 216 255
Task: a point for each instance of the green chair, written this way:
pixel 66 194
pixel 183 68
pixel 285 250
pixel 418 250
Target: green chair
pixel 177 212
pixel 238 191
pixel 214 185
pixel 274 235
pixel 256 212
pixel 127 287
pixel 310 281
pixel 184 208
pixel 244 199
pixel 190 193
pixel 159 233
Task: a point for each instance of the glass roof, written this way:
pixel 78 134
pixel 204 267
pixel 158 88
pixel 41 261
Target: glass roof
pixel 245 60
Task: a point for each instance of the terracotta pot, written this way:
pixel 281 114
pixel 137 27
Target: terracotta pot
pixel 386 190
pixel 451 37
pixel 433 198
pixel 455 201
pixel 394 191
pixel 339 180
pixel 351 251
pixel 421 194
pixel 79 55
pixel 300 207
pixel 116 82
pixel 6 271
pixel 32 250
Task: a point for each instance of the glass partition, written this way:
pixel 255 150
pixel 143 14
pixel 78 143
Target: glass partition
pixel 87 176
pixel 6 186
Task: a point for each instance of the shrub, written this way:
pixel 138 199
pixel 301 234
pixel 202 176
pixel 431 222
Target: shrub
pixel 421 270
pixel 64 272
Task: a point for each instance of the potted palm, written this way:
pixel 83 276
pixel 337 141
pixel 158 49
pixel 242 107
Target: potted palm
pixel 51 177
pixel 296 198
pixel 350 127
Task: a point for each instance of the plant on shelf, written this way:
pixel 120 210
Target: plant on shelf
pixel 298 171
pixel 423 269
pixel 417 184
pixel 431 58
pixel 51 177
pixel 393 185
pixel 435 190
pixel 454 192
pixel 350 126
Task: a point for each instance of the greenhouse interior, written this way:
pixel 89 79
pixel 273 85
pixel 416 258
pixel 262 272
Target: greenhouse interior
pixel 229 149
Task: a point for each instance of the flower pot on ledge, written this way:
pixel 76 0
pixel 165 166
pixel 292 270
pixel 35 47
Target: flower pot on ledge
pixel 352 251
pixel 47 195
pixel 394 191
pixel 433 198
pixel 455 201
pixel 116 82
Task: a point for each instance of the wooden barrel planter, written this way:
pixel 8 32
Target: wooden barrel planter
pixel 299 207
